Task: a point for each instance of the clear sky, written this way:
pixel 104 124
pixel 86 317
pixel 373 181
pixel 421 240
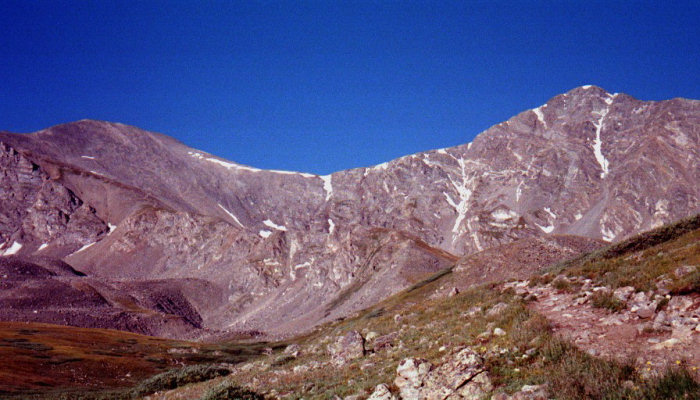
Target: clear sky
pixel 320 86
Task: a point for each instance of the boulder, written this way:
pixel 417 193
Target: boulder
pixel 384 342
pixel 347 348
pixel 293 350
pixel 623 293
pixel 381 392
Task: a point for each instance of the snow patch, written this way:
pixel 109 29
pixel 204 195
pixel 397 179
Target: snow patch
pixel 84 247
pixel 43 246
pixel 111 227
pixel 540 115
pixel 549 211
pixel 382 166
pixel 545 229
pixel 502 215
pixel 587 86
pixel 88 157
pixel 331 226
pixel 304 174
pixel 327 185
pixel 230 165
pixel 442 151
pixel 265 234
pixel 230 214
pixel 608 235
pixel 12 250
pixel 578 216
pixel 273 225
pixel 303 265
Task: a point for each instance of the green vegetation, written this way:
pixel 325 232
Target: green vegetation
pixel 176 378
pixel 645 260
pixel 605 299
pixel 229 390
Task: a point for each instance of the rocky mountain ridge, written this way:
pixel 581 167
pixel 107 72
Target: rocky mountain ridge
pixel 282 251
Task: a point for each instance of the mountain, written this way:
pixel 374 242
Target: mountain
pixel 232 248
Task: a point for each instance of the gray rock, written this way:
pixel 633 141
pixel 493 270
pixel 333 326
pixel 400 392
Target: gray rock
pixel 684 270
pixel 460 376
pixel 623 293
pixel 381 392
pixel 346 348
pixel 645 312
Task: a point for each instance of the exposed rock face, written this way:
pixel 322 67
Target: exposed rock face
pixel 283 251
pixel 40 215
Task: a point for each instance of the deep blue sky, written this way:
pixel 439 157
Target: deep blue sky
pixel 320 86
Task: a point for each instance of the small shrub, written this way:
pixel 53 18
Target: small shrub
pixel 676 383
pixel 178 377
pixel 282 360
pixel 229 390
pixel 605 299
pixel 562 283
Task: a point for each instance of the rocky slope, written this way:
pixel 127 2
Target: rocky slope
pixel 620 322
pixel 282 251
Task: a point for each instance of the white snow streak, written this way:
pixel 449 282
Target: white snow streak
pixel 303 265
pixel 230 214
pixel 549 211
pixel 518 192
pixel 88 157
pixel 84 247
pixel 464 189
pixel 111 227
pixel 608 235
pixel 502 215
pixel 265 234
pixel 474 235
pixel 16 246
pixel 586 86
pixel 230 165
pixel 331 226
pixel 42 247
pixel 273 225
pixel 598 143
pixel 578 216
pixel 327 185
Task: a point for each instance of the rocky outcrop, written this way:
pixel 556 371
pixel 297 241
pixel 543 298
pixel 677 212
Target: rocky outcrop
pixel 460 376
pixel 39 215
